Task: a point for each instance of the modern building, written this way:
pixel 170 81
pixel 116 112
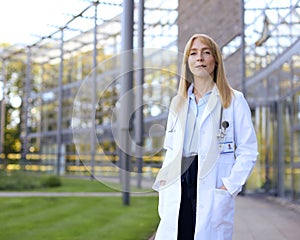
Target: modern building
pixel 72 85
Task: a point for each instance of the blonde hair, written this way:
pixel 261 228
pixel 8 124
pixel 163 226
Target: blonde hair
pixel 220 79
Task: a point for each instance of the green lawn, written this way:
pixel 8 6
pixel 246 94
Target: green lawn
pixel 76 218
pixel 79 185
pixel 88 185
pixel 19 181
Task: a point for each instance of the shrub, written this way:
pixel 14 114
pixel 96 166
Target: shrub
pixel 51 181
pixel 18 181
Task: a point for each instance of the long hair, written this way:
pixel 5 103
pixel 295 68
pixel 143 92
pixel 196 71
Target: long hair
pixel 186 77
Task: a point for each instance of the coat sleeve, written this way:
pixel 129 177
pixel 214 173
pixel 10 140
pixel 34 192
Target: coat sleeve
pixel 168 142
pixel 169 133
pixel 171 122
pixel 246 146
pixel 168 146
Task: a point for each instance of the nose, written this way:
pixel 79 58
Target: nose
pixel 200 56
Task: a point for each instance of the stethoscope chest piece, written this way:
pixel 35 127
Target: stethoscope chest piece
pixel 223 125
pixel 222 130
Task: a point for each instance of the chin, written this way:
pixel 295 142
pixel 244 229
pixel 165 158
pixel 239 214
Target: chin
pixel 202 73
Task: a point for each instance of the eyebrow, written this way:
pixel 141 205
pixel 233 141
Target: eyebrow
pixel 205 48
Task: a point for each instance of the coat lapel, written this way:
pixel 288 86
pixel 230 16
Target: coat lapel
pixel 171 172
pixel 212 113
pixel 211 104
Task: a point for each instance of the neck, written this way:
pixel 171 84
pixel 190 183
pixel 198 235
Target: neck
pixel 202 86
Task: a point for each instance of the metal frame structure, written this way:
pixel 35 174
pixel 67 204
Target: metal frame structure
pixel 58 65
pixel 272 84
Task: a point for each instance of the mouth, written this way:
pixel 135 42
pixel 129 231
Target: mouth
pixel 201 66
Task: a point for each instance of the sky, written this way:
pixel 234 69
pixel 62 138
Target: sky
pixel 24 21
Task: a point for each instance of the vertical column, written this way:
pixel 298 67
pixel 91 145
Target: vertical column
pixel 139 116
pixel 293 146
pixel 94 96
pixel 243 46
pixel 292 132
pixel 280 140
pixel 243 57
pixel 3 103
pixel 60 105
pixel 126 105
pixel 266 121
pixel 26 108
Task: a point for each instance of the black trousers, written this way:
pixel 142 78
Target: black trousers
pixel 187 211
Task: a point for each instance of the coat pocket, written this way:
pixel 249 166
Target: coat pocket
pixel 222 208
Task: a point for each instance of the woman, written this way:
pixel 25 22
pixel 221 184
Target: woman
pixel 211 149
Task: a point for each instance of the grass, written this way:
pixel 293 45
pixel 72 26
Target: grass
pixel 88 185
pixel 23 181
pixel 76 218
pixel 78 185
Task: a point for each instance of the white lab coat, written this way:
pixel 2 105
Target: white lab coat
pixel 215 208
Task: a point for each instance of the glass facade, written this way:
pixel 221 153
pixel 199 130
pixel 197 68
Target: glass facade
pixel 277 124
pixel 60 67
pixel 87 51
pixel 272 43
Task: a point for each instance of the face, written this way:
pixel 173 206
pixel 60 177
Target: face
pixel 201 60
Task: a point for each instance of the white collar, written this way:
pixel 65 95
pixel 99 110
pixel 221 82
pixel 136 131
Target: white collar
pixel 191 88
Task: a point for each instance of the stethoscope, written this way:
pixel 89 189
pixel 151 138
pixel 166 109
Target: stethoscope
pixel 172 129
pixel 223 125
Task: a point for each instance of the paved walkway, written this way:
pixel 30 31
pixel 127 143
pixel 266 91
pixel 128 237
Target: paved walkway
pixel 264 218
pixel 261 218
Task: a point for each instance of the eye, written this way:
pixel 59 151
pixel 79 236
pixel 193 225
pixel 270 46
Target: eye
pixel 192 53
pixel 207 52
